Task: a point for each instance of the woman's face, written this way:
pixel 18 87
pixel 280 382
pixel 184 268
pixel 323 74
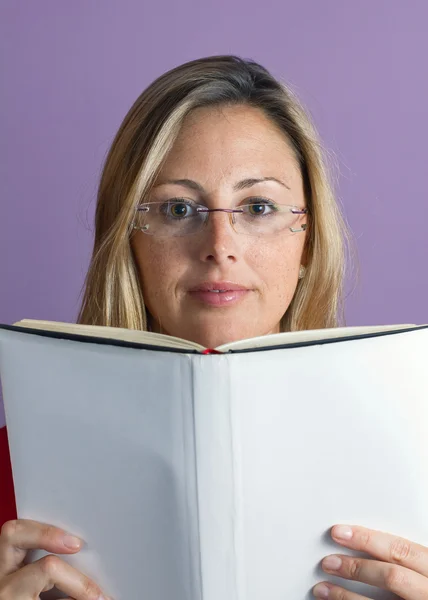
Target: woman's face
pixel 216 161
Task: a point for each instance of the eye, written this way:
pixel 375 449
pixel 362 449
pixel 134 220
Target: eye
pixel 260 207
pixel 178 208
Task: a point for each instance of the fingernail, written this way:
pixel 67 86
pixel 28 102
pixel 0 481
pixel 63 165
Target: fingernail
pixel 321 591
pixel 332 563
pixel 72 542
pixel 342 532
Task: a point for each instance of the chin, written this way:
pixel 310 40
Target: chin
pixel 212 332
pixel 217 336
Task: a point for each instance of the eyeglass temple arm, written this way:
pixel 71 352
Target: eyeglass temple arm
pixel 297 211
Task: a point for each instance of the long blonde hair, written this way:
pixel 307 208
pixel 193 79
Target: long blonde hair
pixel 113 293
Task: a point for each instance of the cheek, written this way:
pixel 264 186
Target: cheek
pixel 159 267
pixel 277 265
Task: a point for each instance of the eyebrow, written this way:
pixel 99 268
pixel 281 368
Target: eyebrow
pixel 240 185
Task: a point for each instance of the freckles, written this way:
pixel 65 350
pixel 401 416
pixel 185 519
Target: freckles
pixel 279 268
pixel 258 257
pixel 160 256
pixel 155 265
pixel 278 258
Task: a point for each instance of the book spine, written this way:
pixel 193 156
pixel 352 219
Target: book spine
pixel 192 500
pixel 218 480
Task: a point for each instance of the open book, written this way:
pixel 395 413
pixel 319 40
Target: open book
pixel 165 341
pixel 213 477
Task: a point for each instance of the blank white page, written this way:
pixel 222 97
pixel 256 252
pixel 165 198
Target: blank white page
pixel 328 434
pixel 102 444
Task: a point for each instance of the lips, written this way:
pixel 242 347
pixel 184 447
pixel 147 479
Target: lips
pixel 219 286
pixel 219 293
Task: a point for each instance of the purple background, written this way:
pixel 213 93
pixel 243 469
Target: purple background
pixel 70 71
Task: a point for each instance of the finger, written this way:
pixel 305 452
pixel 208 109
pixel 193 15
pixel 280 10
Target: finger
pixel 17 537
pixel 403 582
pixel 334 592
pixel 45 574
pixel 384 546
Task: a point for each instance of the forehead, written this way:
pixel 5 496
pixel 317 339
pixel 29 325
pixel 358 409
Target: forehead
pixel 234 141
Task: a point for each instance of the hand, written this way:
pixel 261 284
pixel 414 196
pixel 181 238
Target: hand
pixel 401 566
pixel 26 582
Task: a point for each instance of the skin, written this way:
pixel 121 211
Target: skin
pixel 217 148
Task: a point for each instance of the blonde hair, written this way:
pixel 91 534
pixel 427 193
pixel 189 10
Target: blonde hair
pixel 113 293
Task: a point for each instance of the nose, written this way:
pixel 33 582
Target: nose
pixel 219 243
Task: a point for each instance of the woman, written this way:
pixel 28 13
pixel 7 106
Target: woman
pixel 215 222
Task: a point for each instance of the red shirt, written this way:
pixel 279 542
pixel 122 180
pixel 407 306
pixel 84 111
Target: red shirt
pixel 7 494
